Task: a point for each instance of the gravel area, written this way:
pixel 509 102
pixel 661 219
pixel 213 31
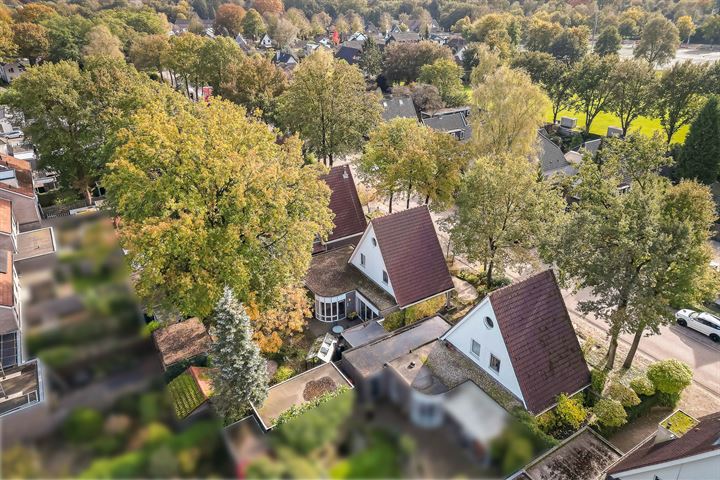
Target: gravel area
pixel 315 388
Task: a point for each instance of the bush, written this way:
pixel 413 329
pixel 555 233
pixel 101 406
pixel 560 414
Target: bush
pixel 597 381
pixel 642 386
pixel 610 413
pixel 625 395
pixel 282 374
pixel 670 376
pixel 424 309
pixel 156 434
pixel 83 425
pixel 394 321
pixel 149 406
pixel 668 399
pixel 570 411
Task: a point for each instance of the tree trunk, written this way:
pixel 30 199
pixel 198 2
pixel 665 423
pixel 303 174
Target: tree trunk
pixel 187 87
pixel 88 195
pixel 488 274
pixel 427 199
pixel 612 350
pixel 391 200
pixel 409 193
pixel 633 348
pixel 331 159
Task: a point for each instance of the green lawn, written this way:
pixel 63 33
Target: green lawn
pixel 379 460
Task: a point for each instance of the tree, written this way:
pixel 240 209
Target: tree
pixel 679 96
pixel 552 75
pixel 712 79
pixel 592 87
pixel 229 17
pixel 72 114
pixel 446 76
pixel 239 373
pixel 508 110
pixel 425 97
pixel 100 41
pixel 479 61
pixel 541 33
pixel 670 376
pixel 300 21
pixel 7 45
pixel 253 24
pixel 31 40
pixel 403 60
pixel 658 42
pixel 268 6
pixel 608 42
pixel 282 320
pixel 571 45
pixel 711 28
pixel 686 27
pixel 184 58
pixel 502 211
pixel 207 198
pixel 256 84
pixel 384 22
pixel 327 104
pixel 66 36
pixel 215 59
pixel 700 156
pixel 637 250
pixel 610 413
pixel 632 93
pixel 149 53
pixel 284 32
pixel 371 58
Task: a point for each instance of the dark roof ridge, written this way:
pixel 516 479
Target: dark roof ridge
pixel 399 212
pixel 399 331
pixel 520 283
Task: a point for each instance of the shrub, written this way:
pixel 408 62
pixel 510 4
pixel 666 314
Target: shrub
pixel 394 321
pixel 625 395
pixel 597 381
pixel 670 376
pixel 570 411
pixel 642 386
pixel 610 413
pixel 149 407
pixel 83 425
pixel 282 374
pixel 547 421
pixel 424 309
pixel 668 399
pixel 156 434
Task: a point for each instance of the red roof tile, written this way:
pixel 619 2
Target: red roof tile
pixel 5 216
pixel 412 254
pixel 345 204
pixel 703 438
pixel 23 174
pixel 7 295
pixel 541 341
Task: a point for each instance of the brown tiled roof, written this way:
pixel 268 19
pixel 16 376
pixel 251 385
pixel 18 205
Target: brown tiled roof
pixel 23 173
pixel 543 348
pixel 7 297
pixel 181 341
pixel 703 438
pixel 5 216
pixel 412 254
pixel 344 203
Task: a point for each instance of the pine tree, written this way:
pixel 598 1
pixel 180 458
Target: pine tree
pixel 371 58
pixel 239 374
pixel 700 156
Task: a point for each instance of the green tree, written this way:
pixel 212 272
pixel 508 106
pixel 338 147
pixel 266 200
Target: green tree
pixel 711 28
pixel 541 33
pixel 700 156
pixel 507 111
pixel 371 58
pixel 208 198
pixel 404 60
pixel 328 105
pixel 592 87
pixel 632 92
pixel 150 52
pixel 72 114
pixel 608 42
pixel 66 36
pixel 686 27
pixel 215 58
pixel 571 45
pixel 679 96
pixel 446 76
pixel 658 42
pixel 502 212
pixel 239 373
pixel 670 376
pixel 479 61
pixel 256 84
pixel 610 413
pixel 639 249
pixel 552 75
pixel 31 40
pixel 184 59
pixel 253 25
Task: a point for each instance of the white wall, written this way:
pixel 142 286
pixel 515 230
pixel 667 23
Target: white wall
pixel 472 327
pixel 374 265
pixel 707 468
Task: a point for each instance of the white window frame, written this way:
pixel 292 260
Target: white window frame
pixel 322 304
pixel 474 342
pixel 386 278
pixel 490 363
pixel 362 259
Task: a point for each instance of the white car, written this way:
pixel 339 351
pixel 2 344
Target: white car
pixel 703 322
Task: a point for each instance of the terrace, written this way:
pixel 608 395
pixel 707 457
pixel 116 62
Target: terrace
pixel 19 387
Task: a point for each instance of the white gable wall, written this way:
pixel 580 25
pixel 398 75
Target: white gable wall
pixel 696 467
pixel 472 327
pixel 374 264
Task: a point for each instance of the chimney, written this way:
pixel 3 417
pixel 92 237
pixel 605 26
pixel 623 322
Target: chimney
pixel 412 365
pixel 345 173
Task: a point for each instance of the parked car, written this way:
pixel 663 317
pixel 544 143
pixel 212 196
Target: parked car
pixel 705 323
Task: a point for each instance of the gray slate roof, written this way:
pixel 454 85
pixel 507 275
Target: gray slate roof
pixel 398 107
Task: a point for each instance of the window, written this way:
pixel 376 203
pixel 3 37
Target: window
pixel 362 259
pixel 385 277
pixel 489 322
pixel 330 309
pixel 475 348
pixel 374 242
pixel 365 312
pixel 495 363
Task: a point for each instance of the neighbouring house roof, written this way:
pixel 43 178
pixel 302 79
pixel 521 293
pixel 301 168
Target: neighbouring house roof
pixel 181 341
pixel 35 243
pixel 412 255
pixel 364 333
pixel 23 175
pixel 540 339
pixel 5 216
pixel 404 37
pixel 330 274
pixel 296 391
pixel 345 204
pixel 414 372
pixel 593 146
pixel 7 296
pixel 22 387
pixel 465 110
pixel 350 51
pixel 551 158
pixel 584 455
pixel 454 123
pixel 370 358
pixel 246 440
pixel 398 107
pixel 705 437
pixel 285 57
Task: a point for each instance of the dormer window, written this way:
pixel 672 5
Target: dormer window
pixel 385 277
pixel 362 259
pixel 374 242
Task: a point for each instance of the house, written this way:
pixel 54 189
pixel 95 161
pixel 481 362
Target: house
pixel 349 219
pixel 403 37
pixel 9 71
pixel 398 262
pixel 551 158
pixel 521 335
pixel 181 341
pixel 464 110
pixel 350 51
pixel 285 58
pixel 585 454
pixel 16 185
pixel 674 453
pixel 398 107
pixel 455 124
pixel 242 43
pixel 265 41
